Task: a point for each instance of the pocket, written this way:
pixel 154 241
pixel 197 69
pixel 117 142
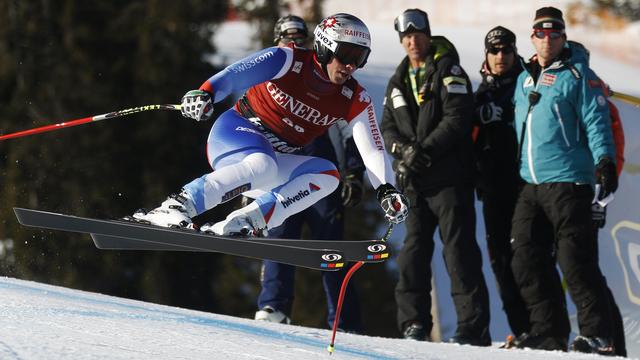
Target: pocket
pixel 556 109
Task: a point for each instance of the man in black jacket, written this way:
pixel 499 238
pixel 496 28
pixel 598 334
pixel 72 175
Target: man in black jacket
pixel 498 181
pixel 427 124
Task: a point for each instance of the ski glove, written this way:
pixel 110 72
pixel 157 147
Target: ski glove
pixel 352 190
pixel 403 174
pixel 196 104
pixel 394 204
pixel 606 177
pixel 489 112
pixel 412 155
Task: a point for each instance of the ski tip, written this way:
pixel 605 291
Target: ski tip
pixel 330 349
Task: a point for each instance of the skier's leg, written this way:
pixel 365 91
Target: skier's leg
pixel 242 158
pixel 277 280
pixel 301 181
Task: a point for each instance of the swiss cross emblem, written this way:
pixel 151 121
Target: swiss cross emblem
pixel 329 23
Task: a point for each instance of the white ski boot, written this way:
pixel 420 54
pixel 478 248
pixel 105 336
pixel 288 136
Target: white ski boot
pixel 270 314
pixel 176 211
pixel 247 221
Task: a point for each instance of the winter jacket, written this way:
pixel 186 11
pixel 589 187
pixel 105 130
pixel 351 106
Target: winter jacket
pixel 569 129
pixel 441 125
pixel 496 146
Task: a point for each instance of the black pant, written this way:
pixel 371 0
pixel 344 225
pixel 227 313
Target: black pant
pixel 452 210
pixel 568 207
pixel 498 203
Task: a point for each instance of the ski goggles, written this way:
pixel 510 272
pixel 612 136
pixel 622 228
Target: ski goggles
pixel 353 54
pixel 299 41
pixel 551 33
pixel 409 19
pixel 506 50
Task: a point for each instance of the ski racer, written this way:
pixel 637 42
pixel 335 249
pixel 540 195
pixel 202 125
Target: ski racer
pixel 294 95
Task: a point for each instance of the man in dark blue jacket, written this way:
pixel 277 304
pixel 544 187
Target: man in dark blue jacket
pixel 325 218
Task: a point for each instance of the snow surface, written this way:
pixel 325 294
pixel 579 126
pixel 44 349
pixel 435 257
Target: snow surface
pixel 40 321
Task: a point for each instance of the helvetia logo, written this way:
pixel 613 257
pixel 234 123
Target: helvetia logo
pixel 376 248
pixel 331 257
pixel 299 196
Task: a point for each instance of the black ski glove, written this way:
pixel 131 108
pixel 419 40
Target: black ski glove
pixel 352 189
pixel 403 174
pixel 413 156
pixel 606 177
pixel 394 204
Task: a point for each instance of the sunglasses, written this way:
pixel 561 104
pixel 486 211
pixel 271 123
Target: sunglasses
pixel 299 41
pixel 552 34
pixel 506 50
pixel 409 19
pixel 353 54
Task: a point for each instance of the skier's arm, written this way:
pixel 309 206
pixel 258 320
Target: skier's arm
pixel 268 64
pixel 369 142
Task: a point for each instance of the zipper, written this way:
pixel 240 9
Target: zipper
pixel 530 149
pixel 564 133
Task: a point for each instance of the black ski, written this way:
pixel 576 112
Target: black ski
pixel 364 250
pixel 190 240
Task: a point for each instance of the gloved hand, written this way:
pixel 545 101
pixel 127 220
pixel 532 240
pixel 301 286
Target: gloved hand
pixel 413 157
pixel 403 174
pixel 489 112
pixel 394 204
pixel 197 104
pixel 352 189
pixel 606 177
pixel 598 214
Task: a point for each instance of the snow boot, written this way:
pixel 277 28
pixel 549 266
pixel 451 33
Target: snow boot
pixel 247 221
pixel 270 314
pixel 539 342
pixel 176 211
pixel 415 331
pixel 592 344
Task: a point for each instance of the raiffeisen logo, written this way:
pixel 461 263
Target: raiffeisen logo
pixel 299 196
pixel 627 245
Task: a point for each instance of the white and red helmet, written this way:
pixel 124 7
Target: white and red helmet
pixel 343 36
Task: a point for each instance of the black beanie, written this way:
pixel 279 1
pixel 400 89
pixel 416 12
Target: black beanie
pixel 548 18
pixel 499 36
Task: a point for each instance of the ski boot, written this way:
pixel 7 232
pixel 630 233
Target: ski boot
pixel 175 212
pixel 415 331
pixel 538 342
pixel 270 314
pixel 247 221
pixel 592 344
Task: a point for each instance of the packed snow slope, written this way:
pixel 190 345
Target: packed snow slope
pixel 40 321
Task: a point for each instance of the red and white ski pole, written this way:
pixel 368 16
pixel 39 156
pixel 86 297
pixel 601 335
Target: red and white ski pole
pixel 88 119
pixel 343 290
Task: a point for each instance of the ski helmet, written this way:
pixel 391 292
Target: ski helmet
pixel 344 36
pixel 290 25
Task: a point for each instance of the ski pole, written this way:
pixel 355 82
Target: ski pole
pixel 88 119
pixel 343 289
pixel 629 99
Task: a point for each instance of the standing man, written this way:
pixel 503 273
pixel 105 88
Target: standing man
pixel 496 149
pixel 564 131
pixel 325 218
pixel 427 123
